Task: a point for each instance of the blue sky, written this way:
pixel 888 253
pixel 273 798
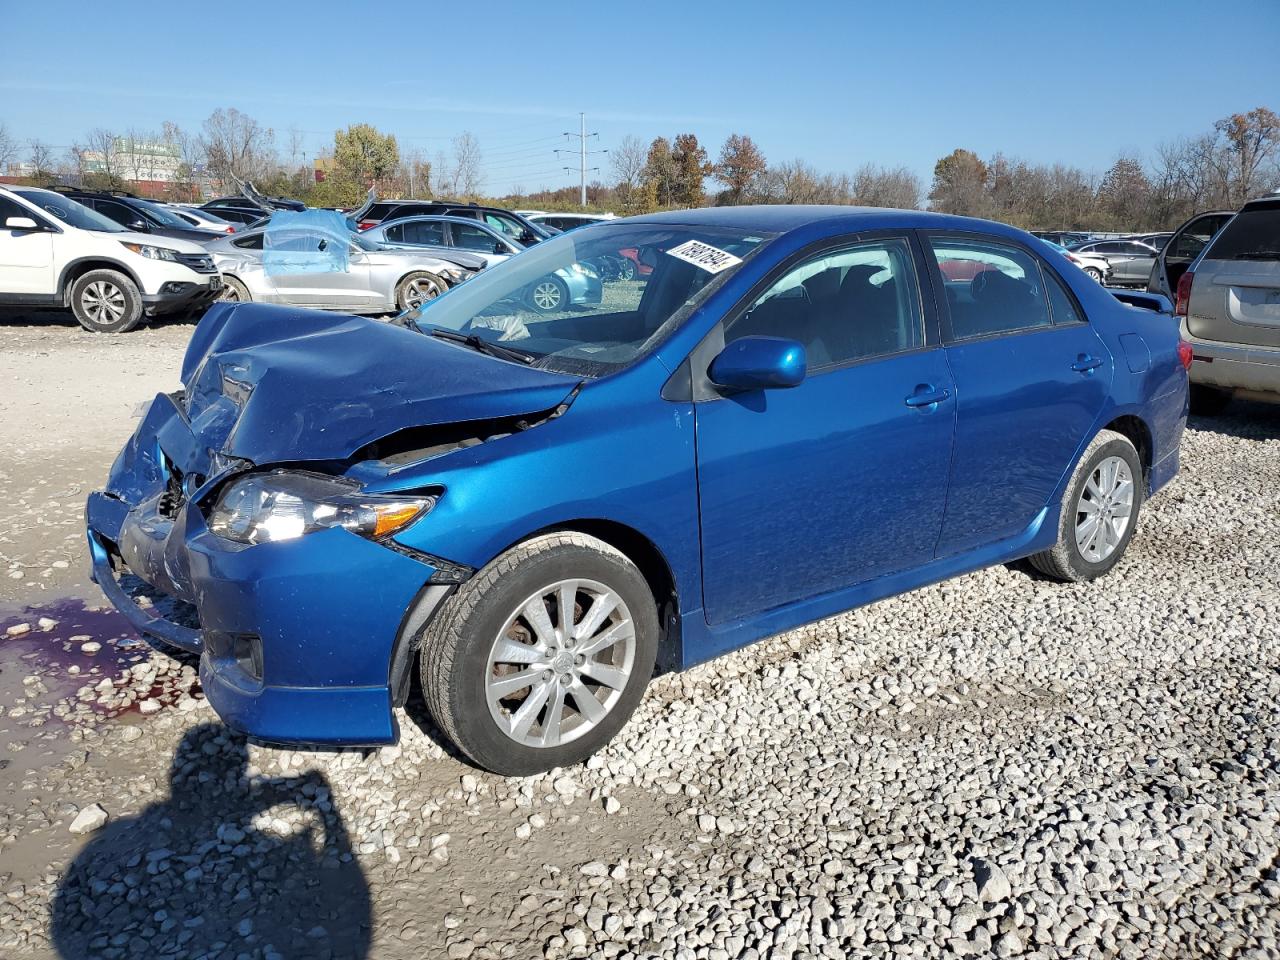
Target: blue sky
pixel 837 84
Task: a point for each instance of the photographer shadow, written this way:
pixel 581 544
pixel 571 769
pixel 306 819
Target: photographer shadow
pixel 228 865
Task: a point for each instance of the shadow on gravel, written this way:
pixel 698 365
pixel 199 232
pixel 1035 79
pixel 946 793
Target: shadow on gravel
pixel 52 319
pixel 1243 419
pixel 230 865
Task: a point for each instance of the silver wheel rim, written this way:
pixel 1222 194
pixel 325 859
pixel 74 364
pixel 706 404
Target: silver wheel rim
pixel 552 678
pixel 419 291
pixel 229 292
pixel 103 302
pixel 1104 509
pixel 546 295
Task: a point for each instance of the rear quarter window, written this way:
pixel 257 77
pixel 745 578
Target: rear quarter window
pixel 1251 235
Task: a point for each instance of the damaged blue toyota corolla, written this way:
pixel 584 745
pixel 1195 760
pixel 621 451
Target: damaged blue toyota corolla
pixel 774 414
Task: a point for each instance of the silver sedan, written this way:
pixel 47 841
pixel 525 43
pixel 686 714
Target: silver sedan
pixel 375 280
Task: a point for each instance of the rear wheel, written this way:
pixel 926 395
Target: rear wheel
pixel 106 301
pixel 540 658
pixel 1208 401
pixel 417 288
pixel 1099 511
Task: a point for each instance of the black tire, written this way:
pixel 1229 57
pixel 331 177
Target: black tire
pixel 1095 274
pixel 106 301
pixel 456 647
pixel 233 291
pixel 1064 560
pixel 543 292
pixel 626 268
pixel 1208 401
pixel 415 289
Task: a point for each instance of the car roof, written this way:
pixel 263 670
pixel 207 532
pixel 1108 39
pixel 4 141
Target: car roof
pixel 433 217
pixel 1262 203
pixel 783 218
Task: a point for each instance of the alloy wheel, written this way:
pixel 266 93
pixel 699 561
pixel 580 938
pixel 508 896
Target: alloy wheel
pixel 546 295
pixel 1104 509
pixel 419 292
pixel 560 663
pixel 103 302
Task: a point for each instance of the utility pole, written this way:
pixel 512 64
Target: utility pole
pixel 583 152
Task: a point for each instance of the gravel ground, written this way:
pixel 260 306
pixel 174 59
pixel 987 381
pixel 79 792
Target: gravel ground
pixel 998 765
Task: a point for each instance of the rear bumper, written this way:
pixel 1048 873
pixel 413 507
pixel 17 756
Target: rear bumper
pixel 1234 366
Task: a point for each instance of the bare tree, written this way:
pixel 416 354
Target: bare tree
pixel 875 186
pixel 236 145
pixel 41 159
pixel 8 147
pixel 627 160
pixel 466 176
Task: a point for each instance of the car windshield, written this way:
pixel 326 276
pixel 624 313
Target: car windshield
pixel 591 301
pixel 70 211
pixel 163 215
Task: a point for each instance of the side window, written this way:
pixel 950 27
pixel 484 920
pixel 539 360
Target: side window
pixel 426 233
pixel 843 305
pixel 466 237
pixel 394 234
pixel 10 208
pixel 511 228
pixel 1061 304
pixel 991 287
pixel 116 211
pixel 253 242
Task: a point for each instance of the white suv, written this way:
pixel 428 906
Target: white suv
pixel 56 252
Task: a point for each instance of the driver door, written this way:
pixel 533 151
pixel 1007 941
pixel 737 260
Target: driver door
pixel 842 479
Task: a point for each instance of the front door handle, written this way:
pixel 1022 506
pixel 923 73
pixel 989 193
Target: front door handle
pixel 926 395
pixel 1084 363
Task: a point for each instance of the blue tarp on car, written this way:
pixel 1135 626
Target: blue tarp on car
pixel 310 241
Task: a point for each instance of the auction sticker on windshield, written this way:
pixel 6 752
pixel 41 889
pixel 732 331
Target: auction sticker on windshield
pixel 704 255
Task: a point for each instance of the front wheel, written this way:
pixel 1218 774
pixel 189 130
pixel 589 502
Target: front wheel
pixel 417 288
pixel 540 658
pixel 1095 274
pixel 548 294
pixel 233 291
pixel 106 301
pixel 1099 511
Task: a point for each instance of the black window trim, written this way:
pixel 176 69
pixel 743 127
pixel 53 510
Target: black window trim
pixel 944 306
pixel 710 346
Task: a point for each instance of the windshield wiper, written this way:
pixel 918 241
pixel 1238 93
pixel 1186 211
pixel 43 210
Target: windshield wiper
pixel 483 346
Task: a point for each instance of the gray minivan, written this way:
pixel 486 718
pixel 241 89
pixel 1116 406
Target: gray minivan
pixel 1229 302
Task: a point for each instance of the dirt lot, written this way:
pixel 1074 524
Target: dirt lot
pixel 995 766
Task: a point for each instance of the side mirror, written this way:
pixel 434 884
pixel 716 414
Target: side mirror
pixel 759 363
pixel 20 223
pixel 499 247
pixel 138 226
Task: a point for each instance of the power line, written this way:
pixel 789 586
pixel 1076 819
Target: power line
pixel 582 155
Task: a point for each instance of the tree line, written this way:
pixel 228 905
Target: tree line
pixel 1221 168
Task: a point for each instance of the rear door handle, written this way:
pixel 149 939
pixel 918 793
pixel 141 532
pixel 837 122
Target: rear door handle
pixel 926 396
pixel 1084 363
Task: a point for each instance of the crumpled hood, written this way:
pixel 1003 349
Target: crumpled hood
pixel 275 384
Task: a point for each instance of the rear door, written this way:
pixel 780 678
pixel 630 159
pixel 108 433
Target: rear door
pixel 1031 380
pixel 1236 293
pixel 1134 264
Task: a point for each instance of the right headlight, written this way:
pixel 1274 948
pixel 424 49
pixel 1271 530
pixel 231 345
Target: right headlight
pixel 287 504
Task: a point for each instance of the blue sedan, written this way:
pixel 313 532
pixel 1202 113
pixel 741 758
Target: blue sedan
pixel 796 411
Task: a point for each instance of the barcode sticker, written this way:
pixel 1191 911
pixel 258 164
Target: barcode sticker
pixel 704 255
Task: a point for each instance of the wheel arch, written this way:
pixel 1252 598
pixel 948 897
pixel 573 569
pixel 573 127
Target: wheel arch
pixel 653 566
pixel 75 269
pixel 1134 428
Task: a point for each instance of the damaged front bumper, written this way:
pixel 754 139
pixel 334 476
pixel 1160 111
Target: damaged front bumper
pixel 304 641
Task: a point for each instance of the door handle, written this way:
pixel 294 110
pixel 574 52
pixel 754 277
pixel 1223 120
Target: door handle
pixel 926 396
pixel 1084 363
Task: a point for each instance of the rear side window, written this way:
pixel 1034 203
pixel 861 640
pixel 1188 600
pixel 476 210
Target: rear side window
pixel 1061 305
pixel 1251 235
pixel 991 288
pixel 253 242
pixel 842 305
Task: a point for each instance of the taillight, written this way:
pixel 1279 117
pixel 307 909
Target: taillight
pixel 1184 294
pixel 1073 258
pixel 366 224
pixel 230 229
pixel 1185 354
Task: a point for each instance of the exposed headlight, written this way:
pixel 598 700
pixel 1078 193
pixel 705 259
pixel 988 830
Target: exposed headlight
pixel 582 269
pixel 285 505
pixel 150 252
